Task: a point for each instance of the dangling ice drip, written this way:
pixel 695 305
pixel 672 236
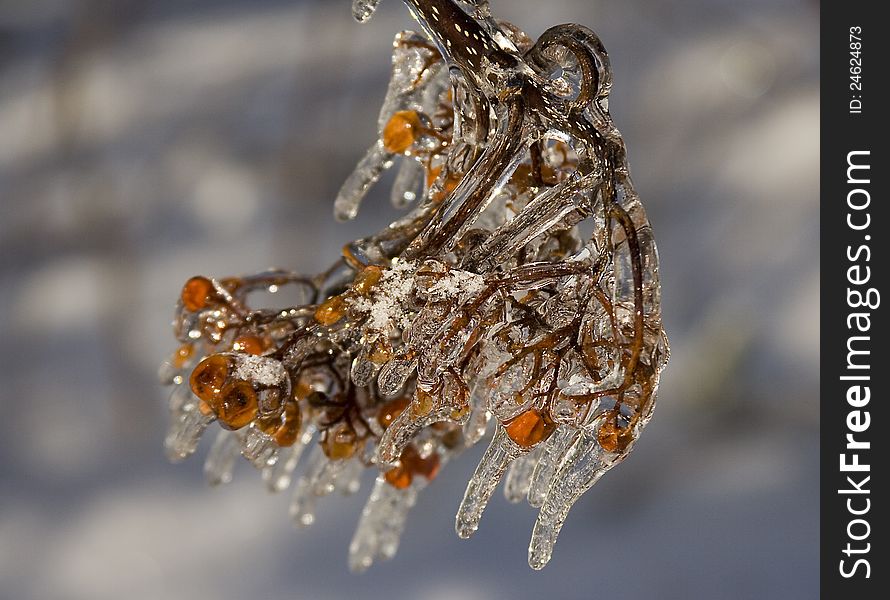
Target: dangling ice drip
pixel 482 307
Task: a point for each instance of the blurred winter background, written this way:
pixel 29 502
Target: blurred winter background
pixel 144 142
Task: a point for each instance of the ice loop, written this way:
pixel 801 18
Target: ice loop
pixel 481 310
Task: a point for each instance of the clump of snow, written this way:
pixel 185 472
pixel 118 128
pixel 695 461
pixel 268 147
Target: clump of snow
pixel 259 370
pixel 388 304
pixel 459 285
pixel 385 307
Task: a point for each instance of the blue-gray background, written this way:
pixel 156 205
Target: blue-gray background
pixel 144 142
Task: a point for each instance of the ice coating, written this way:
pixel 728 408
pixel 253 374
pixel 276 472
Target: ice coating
pixel 306 491
pixel 482 310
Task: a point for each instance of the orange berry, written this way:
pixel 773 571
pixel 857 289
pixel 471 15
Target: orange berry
pixel 270 424
pixel 339 443
pixel 460 411
pixel 249 344
pixel 427 467
pixel 289 431
pixel 208 378
pixel 331 310
pixel 451 183
pixel 204 408
pixel 182 355
pixel 432 173
pixel 391 410
pixel 236 405
pixel 522 177
pixel 529 428
pixel 453 438
pixel 401 131
pixel 607 436
pixel 302 390
pixel 381 351
pixel 612 437
pixel 196 293
pixel 423 403
pixel 398 477
pixel 351 259
pixel 366 279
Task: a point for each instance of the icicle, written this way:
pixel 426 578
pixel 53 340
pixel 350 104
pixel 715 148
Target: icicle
pixel 403 429
pixel 185 432
pixel 302 506
pixel 326 480
pixel 381 523
pixel 392 377
pixel 258 447
pixel 220 461
pixel 366 174
pixel 363 369
pixel 546 210
pixel 181 397
pixel 168 372
pixel 551 453
pixel 446 402
pixel 581 467
pixel 519 475
pixel 409 180
pixel 477 423
pixel 278 476
pixel 494 462
pixel 349 481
